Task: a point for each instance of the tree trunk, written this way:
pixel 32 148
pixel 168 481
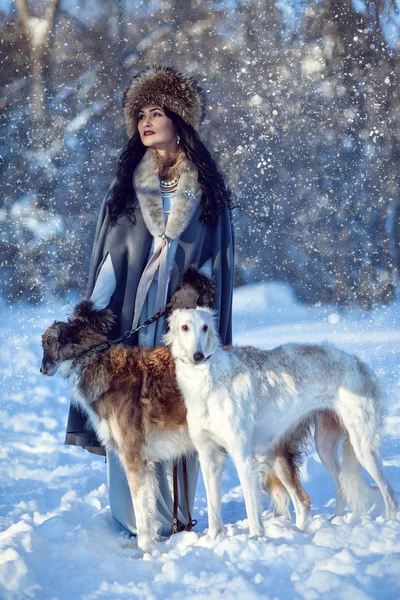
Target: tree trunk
pixel 38 31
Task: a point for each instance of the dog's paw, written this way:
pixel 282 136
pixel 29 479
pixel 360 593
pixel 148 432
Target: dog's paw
pixel 256 533
pixel 145 543
pixel 213 533
pixel 302 522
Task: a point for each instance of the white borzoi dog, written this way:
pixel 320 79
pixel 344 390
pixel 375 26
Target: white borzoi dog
pixel 133 402
pixel 246 402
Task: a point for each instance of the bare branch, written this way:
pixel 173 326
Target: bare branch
pixel 24 13
pixel 51 10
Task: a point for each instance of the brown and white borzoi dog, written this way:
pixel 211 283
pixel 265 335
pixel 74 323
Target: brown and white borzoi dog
pixel 246 401
pixel 132 400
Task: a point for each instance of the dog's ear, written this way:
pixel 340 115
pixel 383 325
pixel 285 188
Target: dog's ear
pixel 213 340
pixel 100 321
pixel 171 327
pixel 61 331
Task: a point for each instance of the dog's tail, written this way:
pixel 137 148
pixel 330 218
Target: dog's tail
pixel 358 494
pixel 359 406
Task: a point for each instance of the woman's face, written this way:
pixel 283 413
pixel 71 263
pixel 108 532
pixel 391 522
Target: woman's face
pixel 156 129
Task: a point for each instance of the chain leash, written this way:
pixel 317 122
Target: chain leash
pixel 124 336
pixel 130 332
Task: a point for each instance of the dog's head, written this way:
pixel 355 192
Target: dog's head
pixel 64 341
pixel 192 334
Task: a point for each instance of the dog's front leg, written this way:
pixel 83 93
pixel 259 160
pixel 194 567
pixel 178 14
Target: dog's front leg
pixel 212 459
pixel 142 482
pixel 249 480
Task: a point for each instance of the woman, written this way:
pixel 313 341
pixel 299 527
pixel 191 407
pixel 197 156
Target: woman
pixel 168 207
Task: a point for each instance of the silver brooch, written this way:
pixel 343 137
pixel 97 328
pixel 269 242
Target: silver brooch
pixel 189 194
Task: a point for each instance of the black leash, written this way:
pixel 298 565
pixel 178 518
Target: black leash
pixel 130 332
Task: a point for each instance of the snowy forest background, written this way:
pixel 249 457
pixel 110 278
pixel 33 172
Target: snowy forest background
pixel 303 117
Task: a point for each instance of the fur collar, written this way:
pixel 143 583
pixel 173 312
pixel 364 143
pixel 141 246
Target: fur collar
pixel 183 206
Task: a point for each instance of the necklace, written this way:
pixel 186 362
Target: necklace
pixel 169 184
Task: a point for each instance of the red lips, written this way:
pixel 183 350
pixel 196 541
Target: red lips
pixel 149 132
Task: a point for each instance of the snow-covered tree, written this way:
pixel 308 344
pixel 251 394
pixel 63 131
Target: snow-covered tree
pixel 302 115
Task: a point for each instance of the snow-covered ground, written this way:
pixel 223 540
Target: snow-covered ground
pixel 59 541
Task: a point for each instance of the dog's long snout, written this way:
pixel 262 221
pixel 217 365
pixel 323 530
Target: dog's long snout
pixel 198 357
pixel 43 369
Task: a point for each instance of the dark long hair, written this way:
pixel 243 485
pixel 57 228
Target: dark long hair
pixel 216 196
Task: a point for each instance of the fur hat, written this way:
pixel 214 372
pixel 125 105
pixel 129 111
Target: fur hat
pixel 164 86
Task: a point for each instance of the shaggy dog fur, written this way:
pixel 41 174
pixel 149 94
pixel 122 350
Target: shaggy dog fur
pixel 132 400
pixel 246 402
pixel 195 289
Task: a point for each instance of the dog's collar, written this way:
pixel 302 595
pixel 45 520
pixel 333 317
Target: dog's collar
pixel 90 352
